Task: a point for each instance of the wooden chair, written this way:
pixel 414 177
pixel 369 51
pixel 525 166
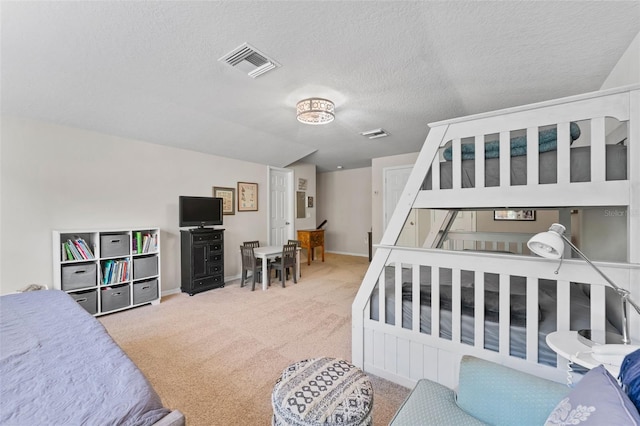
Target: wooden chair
pixel 250 263
pixel 287 260
pixel 297 243
pixel 277 259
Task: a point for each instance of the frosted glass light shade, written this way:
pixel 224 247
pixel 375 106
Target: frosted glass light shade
pixel 315 111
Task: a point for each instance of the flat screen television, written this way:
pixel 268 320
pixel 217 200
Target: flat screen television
pixel 199 211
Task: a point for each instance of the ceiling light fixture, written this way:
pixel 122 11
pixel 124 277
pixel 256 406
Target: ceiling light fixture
pixel 315 111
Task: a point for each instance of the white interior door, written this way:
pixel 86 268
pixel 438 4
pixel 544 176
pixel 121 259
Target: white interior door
pixel 395 179
pixel 280 206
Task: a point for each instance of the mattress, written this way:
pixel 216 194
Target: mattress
pixel 547 314
pixel 580 163
pixel 60 366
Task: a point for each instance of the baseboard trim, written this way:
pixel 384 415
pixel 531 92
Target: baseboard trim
pixel 347 253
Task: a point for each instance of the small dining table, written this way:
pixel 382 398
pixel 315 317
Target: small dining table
pixel 270 252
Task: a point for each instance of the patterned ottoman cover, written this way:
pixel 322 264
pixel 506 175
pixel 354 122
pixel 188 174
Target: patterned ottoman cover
pixel 322 391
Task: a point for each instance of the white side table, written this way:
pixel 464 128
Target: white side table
pixel 567 345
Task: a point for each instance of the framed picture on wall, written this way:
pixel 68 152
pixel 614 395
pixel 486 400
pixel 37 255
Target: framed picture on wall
pixel 228 196
pixel 247 197
pixel 514 215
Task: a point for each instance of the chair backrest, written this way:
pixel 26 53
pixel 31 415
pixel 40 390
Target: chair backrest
pixel 296 242
pixel 289 253
pixel 248 257
pixel 251 244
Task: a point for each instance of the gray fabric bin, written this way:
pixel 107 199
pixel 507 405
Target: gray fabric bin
pixel 79 276
pixel 87 299
pixel 112 245
pixel 145 291
pixel 115 298
pixel 145 267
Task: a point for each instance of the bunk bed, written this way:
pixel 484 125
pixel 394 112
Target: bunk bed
pixel 418 310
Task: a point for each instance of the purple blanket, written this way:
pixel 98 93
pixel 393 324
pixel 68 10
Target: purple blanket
pixel 58 365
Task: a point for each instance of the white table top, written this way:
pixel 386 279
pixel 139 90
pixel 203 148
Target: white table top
pixel 567 345
pixel 267 250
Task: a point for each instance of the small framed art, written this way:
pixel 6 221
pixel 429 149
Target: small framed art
pixel 247 197
pixel 514 215
pixel 228 196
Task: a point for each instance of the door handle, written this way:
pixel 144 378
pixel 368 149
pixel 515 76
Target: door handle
pixel 287 223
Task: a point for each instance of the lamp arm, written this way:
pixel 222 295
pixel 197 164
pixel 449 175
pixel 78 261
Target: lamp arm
pixel 623 293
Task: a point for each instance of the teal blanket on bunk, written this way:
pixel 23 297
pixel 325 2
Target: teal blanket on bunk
pixel 547 141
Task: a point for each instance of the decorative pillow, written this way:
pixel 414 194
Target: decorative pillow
pixel 597 399
pixel 630 377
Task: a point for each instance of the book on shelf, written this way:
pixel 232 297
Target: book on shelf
pixel 85 247
pixel 80 249
pixel 76 249
pixel 150 243
pixel 138 242
pixel 115 271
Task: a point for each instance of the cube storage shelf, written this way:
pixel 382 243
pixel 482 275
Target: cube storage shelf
pixel 107 271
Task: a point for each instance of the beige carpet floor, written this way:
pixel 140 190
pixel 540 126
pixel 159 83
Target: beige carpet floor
pixel 216 355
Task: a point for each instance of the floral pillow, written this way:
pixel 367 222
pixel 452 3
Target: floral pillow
pixel 597 399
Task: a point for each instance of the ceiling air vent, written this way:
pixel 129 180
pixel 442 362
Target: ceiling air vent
pixel 249 60
pixel 375 133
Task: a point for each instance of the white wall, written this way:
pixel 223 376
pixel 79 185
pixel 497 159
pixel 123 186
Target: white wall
pixel 55 177
pixel 344 200
pixel 627 70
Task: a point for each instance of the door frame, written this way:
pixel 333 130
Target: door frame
pixel 386 170
pixel 290 197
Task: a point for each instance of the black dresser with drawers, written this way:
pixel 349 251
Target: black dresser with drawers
pixel 201 259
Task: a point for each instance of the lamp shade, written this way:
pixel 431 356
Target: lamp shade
pixel 315 111
pixel 548 244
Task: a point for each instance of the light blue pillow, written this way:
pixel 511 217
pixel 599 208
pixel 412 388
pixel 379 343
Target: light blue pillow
pixel 597 399
pixel 501 396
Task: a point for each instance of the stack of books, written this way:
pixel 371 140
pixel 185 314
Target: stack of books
pixel 76 249
pixel 145 243
pixel 115 271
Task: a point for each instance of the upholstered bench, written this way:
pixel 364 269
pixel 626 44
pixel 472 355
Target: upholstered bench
pixel 322 391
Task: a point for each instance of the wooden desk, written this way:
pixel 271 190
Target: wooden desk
pixel 310 239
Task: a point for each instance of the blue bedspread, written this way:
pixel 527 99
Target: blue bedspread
pixel 59 366
pixel 547 141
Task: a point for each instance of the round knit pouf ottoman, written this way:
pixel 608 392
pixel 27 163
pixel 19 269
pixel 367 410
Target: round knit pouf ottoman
pixel 322 391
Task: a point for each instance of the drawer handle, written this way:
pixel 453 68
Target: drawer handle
pixel 116 294
pixel 81 300
pixel 146 287
pixel 80 272
pixel 115 241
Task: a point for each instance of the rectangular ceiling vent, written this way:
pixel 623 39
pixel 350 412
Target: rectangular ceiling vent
pixel 249 60
pixel 375 133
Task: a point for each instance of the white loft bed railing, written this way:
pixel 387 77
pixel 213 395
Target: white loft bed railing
pixel 487 241
pixel 405 355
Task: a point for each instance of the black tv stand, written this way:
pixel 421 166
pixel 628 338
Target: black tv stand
pixel 201 259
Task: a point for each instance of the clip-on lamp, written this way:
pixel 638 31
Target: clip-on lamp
pixel 550 244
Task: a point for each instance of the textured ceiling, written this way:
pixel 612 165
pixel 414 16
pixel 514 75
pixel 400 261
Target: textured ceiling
pixel 150 70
